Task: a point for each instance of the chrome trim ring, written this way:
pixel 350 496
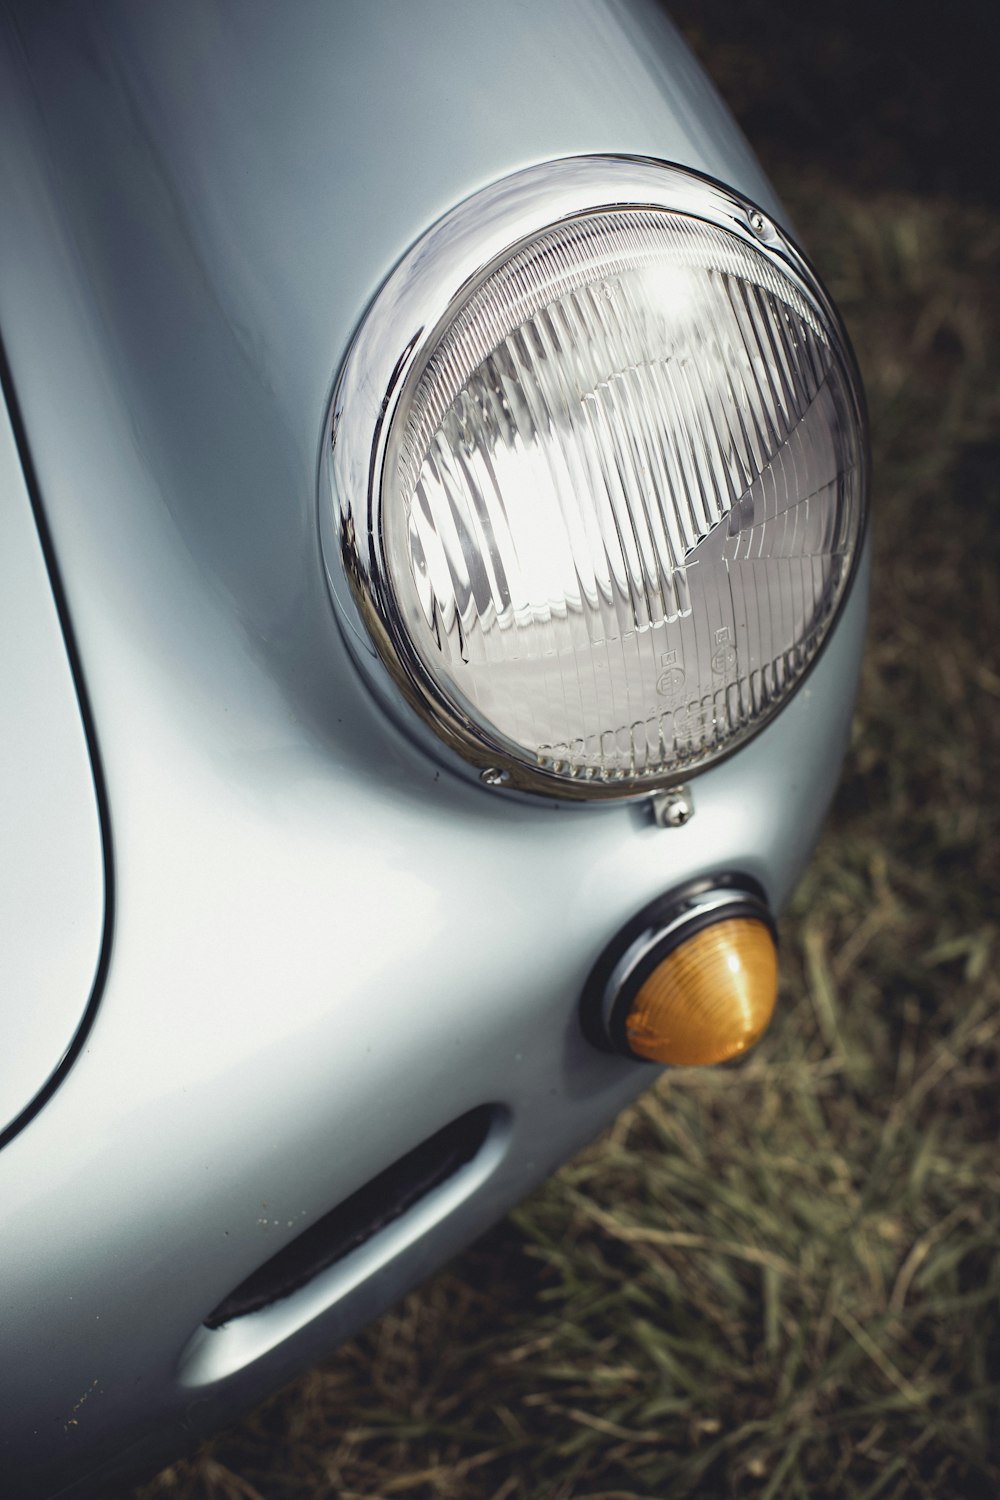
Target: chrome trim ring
pixel 389 353
pixel 650 937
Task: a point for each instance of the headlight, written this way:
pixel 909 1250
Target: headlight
pixel 598 475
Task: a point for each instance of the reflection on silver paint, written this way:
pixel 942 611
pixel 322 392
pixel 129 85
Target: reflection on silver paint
pixel 51 866
pixel 326 947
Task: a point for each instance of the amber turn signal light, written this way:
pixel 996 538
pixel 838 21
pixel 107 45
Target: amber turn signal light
pixel 691 980
pixel 708 1000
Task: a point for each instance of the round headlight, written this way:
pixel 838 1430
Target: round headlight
pixel 598 475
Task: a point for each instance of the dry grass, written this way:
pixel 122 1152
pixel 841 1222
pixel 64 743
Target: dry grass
pixel 783 1279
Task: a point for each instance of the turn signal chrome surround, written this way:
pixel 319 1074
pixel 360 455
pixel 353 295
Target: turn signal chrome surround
pixel 692 980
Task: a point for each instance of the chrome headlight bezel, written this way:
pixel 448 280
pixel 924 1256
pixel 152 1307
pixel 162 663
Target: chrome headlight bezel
pixel 434 279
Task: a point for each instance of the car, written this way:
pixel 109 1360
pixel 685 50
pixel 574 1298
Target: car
pixel 434 573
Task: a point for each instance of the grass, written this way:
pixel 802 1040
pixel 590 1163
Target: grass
pixel 782 1279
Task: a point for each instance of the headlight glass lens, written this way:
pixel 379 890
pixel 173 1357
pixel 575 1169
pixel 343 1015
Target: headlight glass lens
pixel 622 496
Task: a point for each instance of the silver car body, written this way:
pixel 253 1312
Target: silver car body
pixel 257 944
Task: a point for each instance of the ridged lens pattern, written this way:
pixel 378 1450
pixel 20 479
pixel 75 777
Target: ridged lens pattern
pixel 709 1000
pixel 623 503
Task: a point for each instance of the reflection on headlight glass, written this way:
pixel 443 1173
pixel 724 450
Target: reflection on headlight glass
pixel 625 497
